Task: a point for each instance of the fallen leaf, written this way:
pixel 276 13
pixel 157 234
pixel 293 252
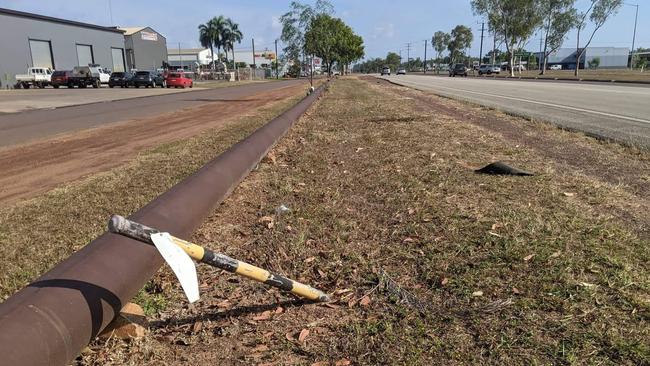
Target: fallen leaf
pixel 408 240
pixel 495 234
pixel 365 301
pixel 411 211
pixel 303 335
pixel 260 348
pixel 444 281
pixel 288 228
pixel 516 291
pixel 310 259
pixel 264 316
pixel 477 293
pixel 332 306
pixel 359 149
pixel 302 184
pixel 279 310
pixel 319 363
pixel 496 226
pixel 528 257
pixel 289 337
pixel 342 362
pixel 586 284
pixel 569 194
pixel 556 254
pixel 267 334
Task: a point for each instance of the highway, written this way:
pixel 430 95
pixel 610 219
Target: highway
pixel 617 112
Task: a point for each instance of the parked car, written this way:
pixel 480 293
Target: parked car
pixel 62 78
pixel 84 76
pixel 148 79
pixel 178 80
pixel 458 69
pixel 385 71
pixel 555 67
pixel 36 77
pixel 401 72
pixel 121 79
pixel 489 69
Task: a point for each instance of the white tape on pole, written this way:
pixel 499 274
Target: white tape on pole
pixel 181 263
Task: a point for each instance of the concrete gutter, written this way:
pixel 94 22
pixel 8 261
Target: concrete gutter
pixel 52 319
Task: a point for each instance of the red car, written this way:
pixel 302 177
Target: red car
pixel 179 80
pixel 60 78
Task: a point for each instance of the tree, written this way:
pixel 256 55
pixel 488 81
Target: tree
pixel 230 35
pixel 440 41
pixel 393 60
pixel 461 38
pixel 599 12
pixel 295 23
pixel 511 21
pixel 333 41
pixel 211 35
pixel 559 18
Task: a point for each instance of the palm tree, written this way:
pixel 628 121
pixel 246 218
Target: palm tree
pixel 211 35
pixel 218 24
pixel 230 35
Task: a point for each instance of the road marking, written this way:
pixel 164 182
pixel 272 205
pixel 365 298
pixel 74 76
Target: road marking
pixel 542 103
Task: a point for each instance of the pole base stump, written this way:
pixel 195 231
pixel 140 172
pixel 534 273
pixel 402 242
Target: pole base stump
pixel 130 323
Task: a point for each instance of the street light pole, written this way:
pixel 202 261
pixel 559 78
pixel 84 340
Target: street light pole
pixel 277 73
pixel 425 56
pixel 480 57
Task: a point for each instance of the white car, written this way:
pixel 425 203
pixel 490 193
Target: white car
pixel 555 67
pixel 489 69
pixel 401 72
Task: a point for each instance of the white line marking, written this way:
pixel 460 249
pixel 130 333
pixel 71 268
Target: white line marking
pixel 543 103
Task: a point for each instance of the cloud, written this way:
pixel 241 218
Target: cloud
pixel 385 31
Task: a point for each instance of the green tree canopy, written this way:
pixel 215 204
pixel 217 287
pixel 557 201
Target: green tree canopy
pixel 333 41
pixel 512 21
pixel 460 39
pixel 440 42
pixel 599 12
pixel 295 23
pixel 559 18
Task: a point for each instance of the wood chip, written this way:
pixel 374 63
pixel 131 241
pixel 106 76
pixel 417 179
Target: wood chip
pixel 342 362
pixel 197 327
pixel 444 281
pixel 556 254
pixel 477 293
pixel 569 194
pixel 528 257
pixel 303 335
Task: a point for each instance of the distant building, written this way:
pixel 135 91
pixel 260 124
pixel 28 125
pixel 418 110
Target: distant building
pixel 146 49
pixel 32 40
pixel 193 58
pixel 610 57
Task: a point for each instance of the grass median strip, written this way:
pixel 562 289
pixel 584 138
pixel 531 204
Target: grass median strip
pixel 428 262
pixel 38 233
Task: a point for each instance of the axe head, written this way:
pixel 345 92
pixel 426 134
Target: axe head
pixel 180 263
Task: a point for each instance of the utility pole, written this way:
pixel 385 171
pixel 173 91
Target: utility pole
pixel 277 72
pixel 480 57
pixel 110 11
pixel 425 55
pixel 180 57
pixel 408 56
pixel 254 65
pixel 636 16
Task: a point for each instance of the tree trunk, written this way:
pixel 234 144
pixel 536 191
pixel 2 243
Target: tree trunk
pixel 212 53
pixel 578 55
pixel 545 56
pixel 511 55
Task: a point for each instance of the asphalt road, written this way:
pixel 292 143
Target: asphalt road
pixel 17 128
pixel 621 113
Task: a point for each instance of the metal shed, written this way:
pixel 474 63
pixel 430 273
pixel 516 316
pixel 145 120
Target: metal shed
pixel 146 49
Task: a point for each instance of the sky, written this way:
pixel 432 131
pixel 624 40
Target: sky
pixel 384 25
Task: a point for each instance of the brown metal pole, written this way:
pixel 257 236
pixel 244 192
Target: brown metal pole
pixel 52 319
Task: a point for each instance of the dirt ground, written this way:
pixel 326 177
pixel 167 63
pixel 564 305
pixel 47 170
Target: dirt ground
pixel 427 261
pixel 37 167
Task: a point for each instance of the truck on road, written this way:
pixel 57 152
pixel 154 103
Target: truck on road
pixel 36 77
pixel 84 76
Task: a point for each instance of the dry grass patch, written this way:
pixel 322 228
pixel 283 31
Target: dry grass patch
pixel 429 263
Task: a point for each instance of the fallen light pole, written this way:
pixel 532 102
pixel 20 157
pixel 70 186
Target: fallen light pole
pixel 49 321
pixel 143 233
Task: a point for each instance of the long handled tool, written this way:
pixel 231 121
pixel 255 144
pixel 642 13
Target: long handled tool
pixel 145 234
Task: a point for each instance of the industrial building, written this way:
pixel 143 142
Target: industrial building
pixel 32 40
pixel 146 49
pixel 610 57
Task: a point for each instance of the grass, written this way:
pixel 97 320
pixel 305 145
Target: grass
pixel 38 233
pixel 481 269
pixel 598 74
pixel 428 262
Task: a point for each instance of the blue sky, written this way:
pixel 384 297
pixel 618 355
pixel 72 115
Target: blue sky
pixel 384 25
